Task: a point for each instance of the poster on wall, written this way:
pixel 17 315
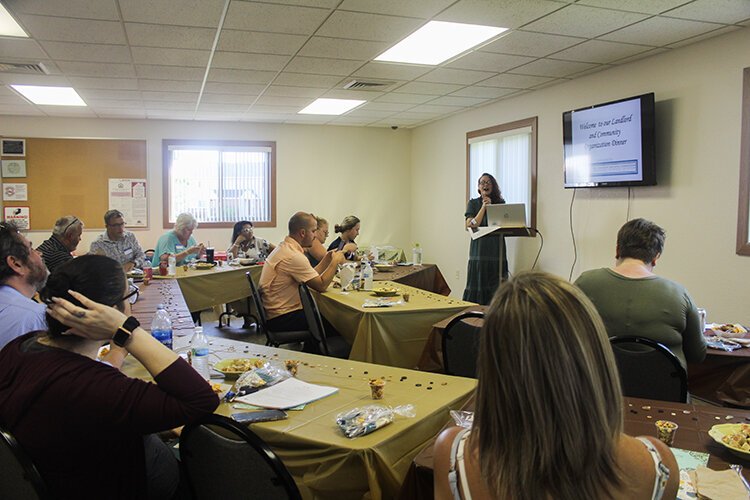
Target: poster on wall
pixel 15 192
pixel 129 196
pixel 18 215
pixel 14 168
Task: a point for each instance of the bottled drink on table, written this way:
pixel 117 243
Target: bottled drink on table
pixel 172 265
pixel 161 326
pixel 365 275
pixel 200 353
pixel 416 255
pixel 148 271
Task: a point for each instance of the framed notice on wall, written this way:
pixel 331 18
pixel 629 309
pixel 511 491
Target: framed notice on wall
pixel 129 196
pixel 18 215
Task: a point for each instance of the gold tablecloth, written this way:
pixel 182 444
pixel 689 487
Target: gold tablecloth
pixel 215 286
pixel 393 336
pixel 427 277
pixel 324 463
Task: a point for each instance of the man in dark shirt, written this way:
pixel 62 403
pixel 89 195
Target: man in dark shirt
pixel 65 238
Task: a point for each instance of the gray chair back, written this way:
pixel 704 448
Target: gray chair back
pixel 649 369
pixel 19 478
pixel 461 344
pixel 273 338
pixel 224 459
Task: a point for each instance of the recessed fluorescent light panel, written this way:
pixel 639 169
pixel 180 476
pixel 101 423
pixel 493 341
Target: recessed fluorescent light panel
pixel 438 41
pixel 331 106
pixel 8 25
pixel 50 96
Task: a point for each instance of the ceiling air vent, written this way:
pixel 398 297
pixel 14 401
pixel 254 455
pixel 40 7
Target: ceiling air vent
pixel 368 85
pixel 26 68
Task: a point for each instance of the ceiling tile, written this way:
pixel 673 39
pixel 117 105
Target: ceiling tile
pixel 170 57
pixel 74 30
pixel 643 6
pixel 513 81
pixel 274 18
pixel 452 100
pixel 552 67
pixel 129 113
pixel 388 71
pixel 350 121
pixel 489 61
pixel 162 114
pixel 336 48
pixel 266 117
pixel 412 115
pixel 234 88
pixel 659 31
pixel 169 72
pixel 267 108
pixel 220 107
pixel 281 90
pixel 12 99
pixel 299 102
pixel 388 106
pixel 19 48
pixel 530 44
pixel 180 37
pixel 169 85
pixel 109 94
pixel 506 14
pixel 717 11
pixel 303 80
pixel 203 13
pixel 642 55
pixel 223 116
pixel 483 92
pixel 579 20
pixel 600 51
pixel 374 27
pixel 179 106
pixel 26 79
pixel 710 34
pixel 88 52
pixel 262 43
pixel 367 95
pixel 362 112
pixel 89 9
pixel 405 98
pixel 325 4
pixel 240 60
pixel 432 108
pixel 240 76
pixel 246 99
pixel 77 68
pixel 25 110
pixel 458 76
pixel 423 9
pixel 323 66
pixel 81 111
pixel 115 103
pixel 397 122
pixel 428 88
pixel 151 95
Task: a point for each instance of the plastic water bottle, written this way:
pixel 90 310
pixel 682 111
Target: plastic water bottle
pixel 161 326
pixel 365 274
pixel 416 255
pixel 172 265
pixel 200 354
pixel 148 271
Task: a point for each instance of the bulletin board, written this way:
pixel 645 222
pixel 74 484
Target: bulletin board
pixel 71 177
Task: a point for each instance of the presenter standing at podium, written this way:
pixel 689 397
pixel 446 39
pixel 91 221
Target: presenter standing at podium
pixel 483 272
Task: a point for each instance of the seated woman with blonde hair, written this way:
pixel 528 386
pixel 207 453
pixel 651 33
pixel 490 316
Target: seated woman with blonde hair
pixel 549 409
pixel 317 251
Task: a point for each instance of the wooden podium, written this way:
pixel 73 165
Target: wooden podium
pixel 500 232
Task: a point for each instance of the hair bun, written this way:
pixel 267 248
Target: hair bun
pixel 337 228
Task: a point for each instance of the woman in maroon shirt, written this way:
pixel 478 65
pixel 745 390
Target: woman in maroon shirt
pixel 82 421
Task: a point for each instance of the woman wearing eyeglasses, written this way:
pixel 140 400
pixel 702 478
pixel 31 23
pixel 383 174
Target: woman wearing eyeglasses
pixel 483 271
pixel 87 427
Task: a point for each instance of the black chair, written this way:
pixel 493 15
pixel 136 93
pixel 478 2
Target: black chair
pixel 649 369
pixel 335 345
pixel 223 459
pixel 274 339
pixel 19 478
pixel 461 344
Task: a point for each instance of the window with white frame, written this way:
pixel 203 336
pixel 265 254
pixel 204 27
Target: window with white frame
pixel 508 152
pixel 220 182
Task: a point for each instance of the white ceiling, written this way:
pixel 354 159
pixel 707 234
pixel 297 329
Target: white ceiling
pixel 263 61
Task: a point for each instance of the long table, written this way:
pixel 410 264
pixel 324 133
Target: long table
pixel 324 463
pixel 723 377
pixel 639 416
pixel 393 336
pixel 426 277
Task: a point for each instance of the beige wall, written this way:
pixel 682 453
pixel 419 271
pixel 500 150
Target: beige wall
pixel 330 171
pixel 698 97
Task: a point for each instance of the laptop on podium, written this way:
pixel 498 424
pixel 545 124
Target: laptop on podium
pixel 506 215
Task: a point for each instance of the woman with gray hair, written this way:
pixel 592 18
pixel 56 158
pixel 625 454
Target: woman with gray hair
pixel 179 241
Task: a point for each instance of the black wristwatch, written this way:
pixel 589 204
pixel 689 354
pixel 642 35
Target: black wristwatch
pixel 123 334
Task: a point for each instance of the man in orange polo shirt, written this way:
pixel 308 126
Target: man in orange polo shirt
pixel 286 267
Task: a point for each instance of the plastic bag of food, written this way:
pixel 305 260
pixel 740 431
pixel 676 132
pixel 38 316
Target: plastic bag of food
pixel 367 419
pixel 463 419
pixel 256 379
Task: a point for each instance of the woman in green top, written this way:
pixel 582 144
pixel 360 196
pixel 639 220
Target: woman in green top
pixel 483 273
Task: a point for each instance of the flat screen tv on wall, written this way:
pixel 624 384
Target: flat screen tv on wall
pixel 610 144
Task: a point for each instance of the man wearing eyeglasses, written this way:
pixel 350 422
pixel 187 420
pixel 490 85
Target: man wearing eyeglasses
pixel 117 243
pixel 22 274
pixel 66 235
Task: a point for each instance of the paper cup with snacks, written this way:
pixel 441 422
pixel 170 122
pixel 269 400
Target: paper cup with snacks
pixel 377 388
pixel 665 431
